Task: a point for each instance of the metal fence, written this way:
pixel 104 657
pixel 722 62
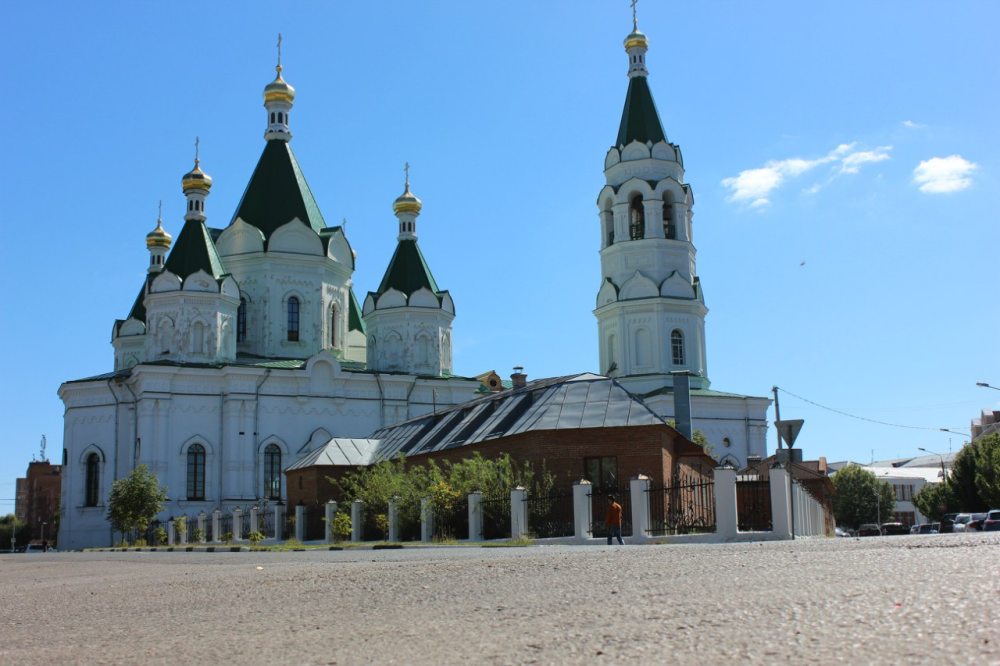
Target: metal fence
pixel 683 508
pixel 314 516
pixel 374 522
pixel 551 515
pixel 753 505
pixel 225 527
pixel 452 522
pixel 599 510
pixel 496 517
pixel 408 526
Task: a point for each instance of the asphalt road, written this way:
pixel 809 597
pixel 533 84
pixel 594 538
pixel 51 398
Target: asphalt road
pixel 909 599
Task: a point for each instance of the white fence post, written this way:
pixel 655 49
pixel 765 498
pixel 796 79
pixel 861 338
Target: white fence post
pixel 329 511
pixel 781 508
pixel 357 518
pixel 253 519
pixel 171 533
pixel 393 520
pixel 203 535
pixel 426 520
pixel 300 523
pixel 279 521
pixel 581 509
pixel 639 491
pixel 475 516
pixel 216 526
pixel 518 513
pixel 237 524
pixel 726 522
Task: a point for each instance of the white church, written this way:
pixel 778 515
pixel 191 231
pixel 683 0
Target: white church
pixel 246 348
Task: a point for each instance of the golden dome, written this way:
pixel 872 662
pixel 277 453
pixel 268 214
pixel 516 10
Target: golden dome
pixel 407 202
pixel 158 237
pixel 196 179
pixel 279 90
pixel 636 38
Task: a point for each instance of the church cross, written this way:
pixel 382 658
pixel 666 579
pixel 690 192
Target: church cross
pixel 635 21
pixel 406 170
pixel 197 143
pixel 279 51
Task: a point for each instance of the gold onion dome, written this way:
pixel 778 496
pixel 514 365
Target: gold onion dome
pixel 279 90
pixel 196 179
pixel 636 38
pixel 158 237
pixel 407 202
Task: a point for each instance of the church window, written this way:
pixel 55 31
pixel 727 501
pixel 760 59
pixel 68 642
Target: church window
pixel 637 219
pixel 272 472
pixel 272 117
pixel 198 338
pixel 726 442
pixel 241 321
pixel 333 325
pixel 293 319
pixel 190 204
pixel 93 486
pixel 669 226
pixel 612 361
pixel 281 118
pixel 608 224
pixel 602 472
pixel 196 472
pixel 641 347
pixel 677 347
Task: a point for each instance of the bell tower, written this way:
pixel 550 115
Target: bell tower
pixel 650 308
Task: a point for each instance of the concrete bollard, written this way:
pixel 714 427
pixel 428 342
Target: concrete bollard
pixel 781 505
pixel 476 516
pixel 237 525
pixel 639 495
pixel 216 526
pixel 357 520
pixel 329 511
pixel 300 523
pixel 518 513
pixel 278 533
pixel 426 520
pixel 393 521
pixel 726 522
pixel 581 509
pixel 203 535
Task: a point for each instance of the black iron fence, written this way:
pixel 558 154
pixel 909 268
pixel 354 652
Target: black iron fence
pixel 599 510
pixel 684 508
pixel 496 517
pixel 451 522
pixel 374 522
pixel 551 515
pixel 753 505
pixel 408 525
pixel 314 517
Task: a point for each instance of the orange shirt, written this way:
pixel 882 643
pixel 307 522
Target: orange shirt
pixel 614 514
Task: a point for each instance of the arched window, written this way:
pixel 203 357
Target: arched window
pixel 677 347
pixel 608 224
pixel 196 472
pixel 641 348
pixel 669 226
pixel 333 325
pixel 281 117
pixel 93 487
pixel 293 319
pixel 272 117
pixel 272 472
pixel 241 321
pixel 636 219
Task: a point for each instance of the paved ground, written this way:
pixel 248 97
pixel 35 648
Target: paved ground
pixel 910 599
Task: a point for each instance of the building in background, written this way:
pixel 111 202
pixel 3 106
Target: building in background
pixel 37 502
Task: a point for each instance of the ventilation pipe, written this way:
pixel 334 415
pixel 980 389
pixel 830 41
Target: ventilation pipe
pixel 519 379
pixel 682 403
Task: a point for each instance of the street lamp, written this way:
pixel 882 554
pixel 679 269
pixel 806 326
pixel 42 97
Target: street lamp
pixel 944 475
pixel 985 385
pixel 955 432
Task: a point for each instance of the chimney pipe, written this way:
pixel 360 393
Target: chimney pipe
pixel 519 379
pixel 682 403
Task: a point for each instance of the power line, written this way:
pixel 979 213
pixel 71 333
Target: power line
pixel 855 416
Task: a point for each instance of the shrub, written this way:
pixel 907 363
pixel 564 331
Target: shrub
pixel 139 543
pixel 227 537
pixel 341 527
pixel 160 536
pixel 255 538
pixel 180 528
pixel 198 536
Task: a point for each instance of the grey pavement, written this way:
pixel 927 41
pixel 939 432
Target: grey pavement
pixel 908 599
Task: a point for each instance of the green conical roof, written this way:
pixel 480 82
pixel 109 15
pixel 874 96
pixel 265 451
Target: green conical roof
pixel 354 320
pixel 194 251
pixel 278 192
pixel 640 121
pixel 407 271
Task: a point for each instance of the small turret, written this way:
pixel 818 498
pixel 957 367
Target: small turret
pixel 158 243
pixel 196 185
pixel 278 99
pixel 407 207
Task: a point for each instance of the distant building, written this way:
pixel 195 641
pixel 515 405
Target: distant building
pixel 907 477
pixel 37 501
pixel 987 424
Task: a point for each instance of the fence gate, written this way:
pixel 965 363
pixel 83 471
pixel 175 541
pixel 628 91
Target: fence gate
pixel 452 522
pixel 753 505
pixel 599 510
pixel 682 509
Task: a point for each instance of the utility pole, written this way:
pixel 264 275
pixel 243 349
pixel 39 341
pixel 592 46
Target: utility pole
pixel 777 414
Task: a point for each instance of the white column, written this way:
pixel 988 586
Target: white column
pixel 171 533
pixel 279 521
pixel 216 525
pixel 202 519
pixel 237 524
pixel 725 502
pixel 639 491
pixel 581 509
pixel 329 511
pixel 300 523
pixel 393 521
pixel 356 520
pixel 426 520
pixel 475 516
pixel 781 506
pixel 183 533
pixel 653 210
pixel 518 512
pixel 253 519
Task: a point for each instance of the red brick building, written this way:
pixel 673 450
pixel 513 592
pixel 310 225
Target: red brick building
pixel 38 499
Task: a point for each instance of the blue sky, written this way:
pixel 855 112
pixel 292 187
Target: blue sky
pixel 844 159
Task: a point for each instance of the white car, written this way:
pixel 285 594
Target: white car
pixel 962 521
pixel 37 548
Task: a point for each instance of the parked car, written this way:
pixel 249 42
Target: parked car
pixel 992 522
pixel 927 528
pixel 869 529
pixel 947 522
pixel 841 532
pixel 894 528
pixel 962 522
pixel 914 529
pixel 976 522
pixel 37 548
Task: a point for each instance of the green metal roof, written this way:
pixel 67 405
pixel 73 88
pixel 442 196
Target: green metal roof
pixel 194 251
pixel 407 271
pixel 354 320
pixel 640 121
pixel 278 192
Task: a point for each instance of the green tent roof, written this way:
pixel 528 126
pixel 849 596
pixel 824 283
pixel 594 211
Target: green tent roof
pixel 194 251
pixel 407 271
pixel 640 121
pixel 354 320
pixel 278 192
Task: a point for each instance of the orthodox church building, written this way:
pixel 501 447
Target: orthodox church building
pixel 246 349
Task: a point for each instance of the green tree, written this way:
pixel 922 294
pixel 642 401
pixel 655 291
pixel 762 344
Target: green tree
pixel 987 474
pixel 935 499
pixel 20 529
pixel 962 479
pixel 859 496
pixel 135 500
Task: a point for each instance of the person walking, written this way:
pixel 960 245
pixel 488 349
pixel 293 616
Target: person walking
pixel 614 520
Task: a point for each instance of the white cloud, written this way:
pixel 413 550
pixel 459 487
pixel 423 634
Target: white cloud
pixel 909 124
pixel 754 186
pixel 940 175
